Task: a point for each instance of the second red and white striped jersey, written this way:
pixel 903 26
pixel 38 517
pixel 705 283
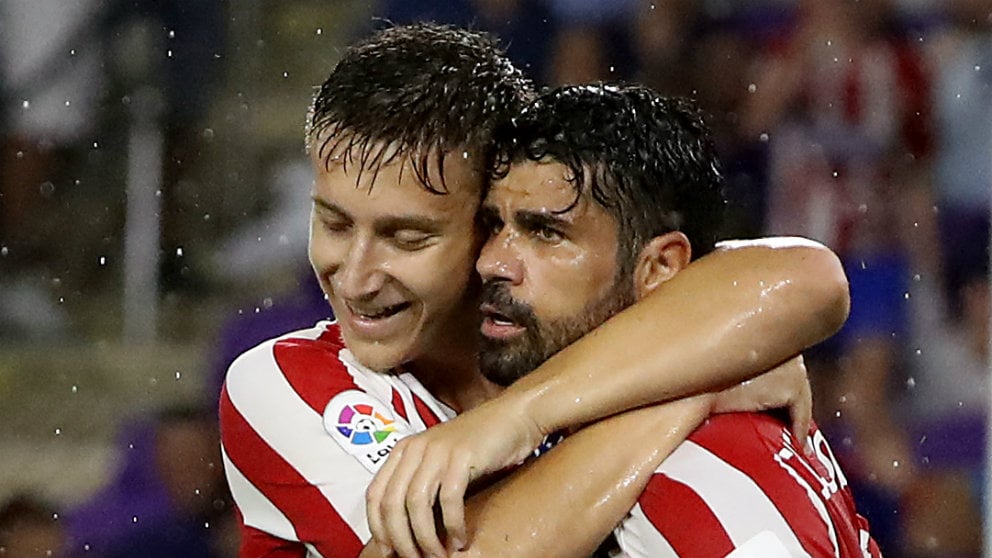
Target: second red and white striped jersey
pixel 740 487
pixel 304 428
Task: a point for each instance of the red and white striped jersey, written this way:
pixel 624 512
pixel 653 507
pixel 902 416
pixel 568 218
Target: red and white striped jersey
pixel 740 487
pixel 304 428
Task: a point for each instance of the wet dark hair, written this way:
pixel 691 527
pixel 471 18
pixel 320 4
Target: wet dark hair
pixel 421 91
pixel 647 159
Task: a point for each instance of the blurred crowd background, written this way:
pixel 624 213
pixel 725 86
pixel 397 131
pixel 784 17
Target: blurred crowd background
pixel 154 200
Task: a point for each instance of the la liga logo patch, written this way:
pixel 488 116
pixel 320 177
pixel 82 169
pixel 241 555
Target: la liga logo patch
pixel 364 427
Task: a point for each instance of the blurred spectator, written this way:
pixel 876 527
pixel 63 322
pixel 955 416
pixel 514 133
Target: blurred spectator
pixel 30 528
pixel 50 86
pixel 51 82
pixel 168 498
pixel 844 100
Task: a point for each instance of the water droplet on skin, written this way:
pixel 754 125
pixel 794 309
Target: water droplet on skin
pixel 267 303
pixel 751 88
pixel 168 53
pixel 58 431
pixel 179 375
pixel 134 519
pixel 72 52
pixel 911 383
pixel 916 277
pixel 25 104
pixel 837 414
pixel 895 464
pixel 172 33
pixel 179 251
pixel 763 137
pixel 978 68
pixel 4 251
pixel 206 216
pixel 67 103
pixel 75 389
pixel 103 260
pixel 905 295
pixel 829 42
pixel 320 31
pixel 55 516
pixel 919 352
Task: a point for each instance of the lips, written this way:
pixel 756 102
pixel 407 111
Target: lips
pixel 497 324
pixel 375 322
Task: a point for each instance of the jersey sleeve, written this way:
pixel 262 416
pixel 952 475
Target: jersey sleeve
pixel 740 485
pixel 295 485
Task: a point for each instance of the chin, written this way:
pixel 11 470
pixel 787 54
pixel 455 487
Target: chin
pixel 376 355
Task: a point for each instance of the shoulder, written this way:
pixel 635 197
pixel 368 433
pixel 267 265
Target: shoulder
pixel 317 348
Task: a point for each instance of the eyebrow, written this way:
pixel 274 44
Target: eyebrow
pixel 537 219
pixel 390 223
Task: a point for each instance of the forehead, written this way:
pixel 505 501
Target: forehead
pixel 543 186
pixel 344 178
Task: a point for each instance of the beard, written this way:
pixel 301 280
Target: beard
pixel 504 361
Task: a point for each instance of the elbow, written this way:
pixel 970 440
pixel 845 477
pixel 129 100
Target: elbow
pixel 827 292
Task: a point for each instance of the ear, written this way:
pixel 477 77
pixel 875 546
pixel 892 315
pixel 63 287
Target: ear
pixel 660 260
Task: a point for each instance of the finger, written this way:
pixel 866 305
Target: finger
pixel 420 509
pixel 376 493
pixel 395 516
pixel 452 497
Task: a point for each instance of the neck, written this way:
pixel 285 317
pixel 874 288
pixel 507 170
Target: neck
pixel 454 378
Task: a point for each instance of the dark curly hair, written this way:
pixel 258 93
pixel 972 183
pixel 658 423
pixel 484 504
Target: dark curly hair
pixel 647 159
pixel 422 91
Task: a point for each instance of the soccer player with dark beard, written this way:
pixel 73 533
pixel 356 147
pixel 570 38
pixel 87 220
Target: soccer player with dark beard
pixel 602 196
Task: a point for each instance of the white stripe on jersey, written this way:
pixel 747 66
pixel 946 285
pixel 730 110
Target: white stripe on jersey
pixel 265 515
pixel 296 432
pixel 812 494
pixel 639 539
pixel 696 467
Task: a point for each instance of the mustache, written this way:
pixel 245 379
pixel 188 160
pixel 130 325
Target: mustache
pixel 496 294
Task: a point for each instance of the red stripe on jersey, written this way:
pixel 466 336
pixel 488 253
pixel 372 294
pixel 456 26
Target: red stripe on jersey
pixel 425 412
pixel 314 376
pixel 749 443
pixel 255 543
pixel 684 519
pixel 398 405
pixel 313 517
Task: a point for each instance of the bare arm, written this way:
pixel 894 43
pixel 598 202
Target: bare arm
pixel 725 318
pixel 565 503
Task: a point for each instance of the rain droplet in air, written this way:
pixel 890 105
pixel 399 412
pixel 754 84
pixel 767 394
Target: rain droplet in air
pixel 179 376
pixel 75 389
pixel 103 260
pixel 763 137
pixel 911 383
pixel 751 88
pixel 58 431
pixel 320 31
pixel 25 104
pixel 179 251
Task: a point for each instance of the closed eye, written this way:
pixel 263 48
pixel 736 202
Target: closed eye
pixel 409 239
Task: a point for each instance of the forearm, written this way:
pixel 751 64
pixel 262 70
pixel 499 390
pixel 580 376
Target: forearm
pixel 725 318
pixel 578 492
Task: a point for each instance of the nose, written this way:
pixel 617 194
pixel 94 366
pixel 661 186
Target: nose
pixel 360 273
pixel 499 259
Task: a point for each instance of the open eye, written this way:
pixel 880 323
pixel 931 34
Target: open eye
pixel 548 234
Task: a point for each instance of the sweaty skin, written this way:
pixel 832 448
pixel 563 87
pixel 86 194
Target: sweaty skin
pixel 713 338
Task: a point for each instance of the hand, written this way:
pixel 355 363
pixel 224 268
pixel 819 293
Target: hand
pixel 436 467
pixel 376 550
pixel 785 386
